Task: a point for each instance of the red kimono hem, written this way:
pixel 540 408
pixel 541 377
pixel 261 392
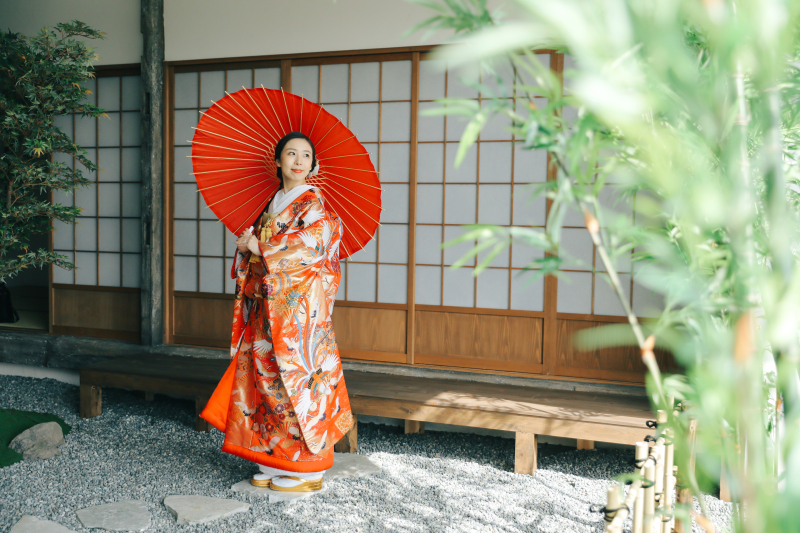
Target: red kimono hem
pixel 274 462
pixel 216 414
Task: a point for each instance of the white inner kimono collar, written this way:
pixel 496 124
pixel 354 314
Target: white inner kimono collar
pixel 282 200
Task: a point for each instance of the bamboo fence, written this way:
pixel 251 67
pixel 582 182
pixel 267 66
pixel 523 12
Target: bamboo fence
pixel 650 500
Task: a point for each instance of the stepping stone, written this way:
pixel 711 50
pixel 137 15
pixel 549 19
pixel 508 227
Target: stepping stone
pixel 131 515
pixel 202 509
pixel 31 524
pixel 344 465
pixel 351 465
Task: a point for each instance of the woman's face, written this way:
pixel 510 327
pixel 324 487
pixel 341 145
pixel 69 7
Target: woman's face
pixel 295 162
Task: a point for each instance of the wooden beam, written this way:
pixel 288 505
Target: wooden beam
pixel 91 401
pixel 585 444
pixel 525 451
pixel 414 426
pixel 199 404
pixel 152 114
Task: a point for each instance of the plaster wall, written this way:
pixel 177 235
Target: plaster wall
pixel 202 29
pixel 119 19
pixel 208 29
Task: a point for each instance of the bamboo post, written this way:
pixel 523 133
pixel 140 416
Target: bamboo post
pixel 685 492
pixel 642 451
pixel 672 491
pixel 632 501
pixel 658 495
pixel 649 497
pixel 613 500
pixel 669 479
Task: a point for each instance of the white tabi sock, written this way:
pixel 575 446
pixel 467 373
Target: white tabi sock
pixel 268 472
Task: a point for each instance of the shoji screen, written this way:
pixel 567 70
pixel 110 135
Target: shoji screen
pixel 101 297
pixel 493 185
pixel 373 98
pixel 586 300
pixel 202 248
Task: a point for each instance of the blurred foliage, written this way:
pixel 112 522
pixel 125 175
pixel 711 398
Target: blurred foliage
pixel 690 110
pixel 41 78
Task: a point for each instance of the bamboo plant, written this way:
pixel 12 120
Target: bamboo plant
pixel 693 108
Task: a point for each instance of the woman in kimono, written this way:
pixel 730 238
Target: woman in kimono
pixel 286 403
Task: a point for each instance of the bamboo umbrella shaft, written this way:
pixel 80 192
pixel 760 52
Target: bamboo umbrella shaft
pixel 355 169
pixel 225 148
pixel 286 106
pixel 225 170
pixel 263 151
pixel 337 144
pixel 325 173
pixel 330 183
pixel 321 159
pixel 229 182
pixel 273 139
pixel 262 147
pixel 314 125
pixel 266 95
pixel 319 142
pixel 280 123
pixel 268 141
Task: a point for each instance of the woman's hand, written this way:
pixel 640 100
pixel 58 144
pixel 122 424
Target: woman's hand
pixel 252 245
pixel 242 241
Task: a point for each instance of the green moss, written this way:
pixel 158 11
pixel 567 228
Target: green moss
pixel 14 422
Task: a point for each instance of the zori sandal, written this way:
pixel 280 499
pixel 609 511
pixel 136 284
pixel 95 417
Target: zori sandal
pixel 304 486
pixel 256 482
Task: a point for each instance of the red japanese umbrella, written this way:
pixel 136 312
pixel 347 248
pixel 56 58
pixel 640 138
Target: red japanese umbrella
pixel 233 158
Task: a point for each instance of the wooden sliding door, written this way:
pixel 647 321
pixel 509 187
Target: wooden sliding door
pixel 101 297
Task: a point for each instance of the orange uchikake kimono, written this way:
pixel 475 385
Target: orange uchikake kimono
pixel 283 402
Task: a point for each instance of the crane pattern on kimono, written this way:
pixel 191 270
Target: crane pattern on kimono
pixel 299 404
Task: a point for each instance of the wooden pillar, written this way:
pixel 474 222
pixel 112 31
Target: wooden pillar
pixel 91 401
pixel 415 426
pixel 349 443
pixel 550 321
pixel 200 424
pixel 525 453
pixel 152 295
pixel 585 444
pixel 411 315
pixel 286 75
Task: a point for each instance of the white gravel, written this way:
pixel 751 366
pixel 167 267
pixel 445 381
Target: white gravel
pixel 434 482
